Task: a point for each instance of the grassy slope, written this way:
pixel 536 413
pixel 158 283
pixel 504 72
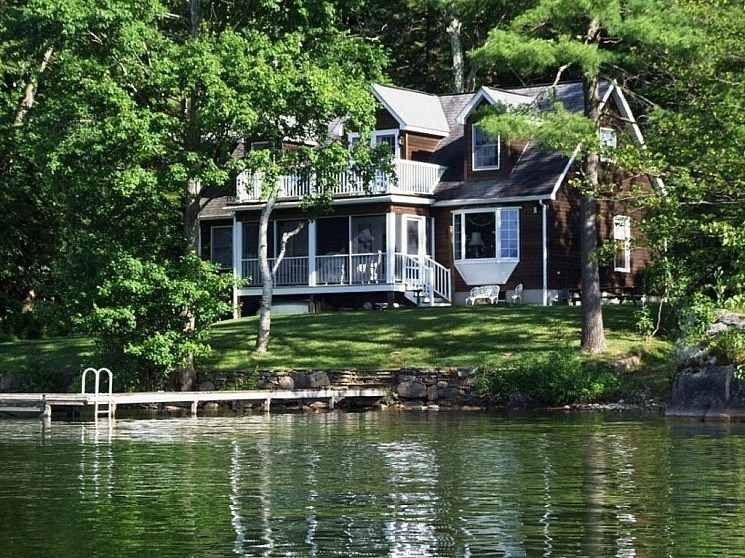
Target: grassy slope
pixel 457 336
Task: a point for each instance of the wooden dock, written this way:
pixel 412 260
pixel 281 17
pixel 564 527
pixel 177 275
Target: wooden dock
pixel 45 403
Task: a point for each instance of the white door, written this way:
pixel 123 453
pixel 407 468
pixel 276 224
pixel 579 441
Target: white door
pixel 414 246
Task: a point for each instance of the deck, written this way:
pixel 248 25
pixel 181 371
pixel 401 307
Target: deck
pixel 45 403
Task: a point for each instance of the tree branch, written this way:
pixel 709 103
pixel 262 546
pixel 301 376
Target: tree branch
pixel 286 236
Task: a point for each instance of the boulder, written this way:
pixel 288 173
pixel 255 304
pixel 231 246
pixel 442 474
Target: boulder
pixel 286 382
pixel 318 379
pixel 206 386
pixel 730 319
pixel 301 380
pixel 433 393
pixel 712 392
pixel 442 384
pixel 211 406
pixel 412 390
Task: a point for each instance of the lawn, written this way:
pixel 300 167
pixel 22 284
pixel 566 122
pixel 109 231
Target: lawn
pixel 482 336
pixel 424 337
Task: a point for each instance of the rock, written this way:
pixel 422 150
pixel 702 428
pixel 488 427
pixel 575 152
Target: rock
pixel 717 327
pixel 711 392
pixel 211 406
pixel 405 377
pixel 286 382
pixel 301 380
pixel 412 390
pixel 433 393
pixel 318 405
pixel 413 405
pixel 433 407
pixel 453 395
pixel 625 364
pixel 206 386
pixel 318 379
pixel 730 319
pixel 466 372
pixel 442 384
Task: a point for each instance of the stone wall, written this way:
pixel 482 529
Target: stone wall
pixel 414 388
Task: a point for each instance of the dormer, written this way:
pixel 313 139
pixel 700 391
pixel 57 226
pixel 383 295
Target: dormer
pixel 413 120
pixel 487 157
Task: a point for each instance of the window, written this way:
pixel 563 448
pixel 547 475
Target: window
pixel 485 150
pixel 387 137
pixel 608 142
pixel 221 246
pixel 622 243
pixel 260 145
pixel 508 233
pixel 487 234
pixel 457 236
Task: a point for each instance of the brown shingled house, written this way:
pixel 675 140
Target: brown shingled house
pixel 465 210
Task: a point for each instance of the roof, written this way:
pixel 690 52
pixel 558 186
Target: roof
pixel 535 175
pixel 415 111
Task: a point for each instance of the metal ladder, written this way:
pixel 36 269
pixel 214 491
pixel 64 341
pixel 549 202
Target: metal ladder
pixel 109 401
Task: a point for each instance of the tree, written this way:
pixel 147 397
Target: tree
pixel 590 40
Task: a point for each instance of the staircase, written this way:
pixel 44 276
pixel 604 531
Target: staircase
pixel 425 281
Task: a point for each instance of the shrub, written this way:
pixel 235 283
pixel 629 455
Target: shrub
pixel 552 378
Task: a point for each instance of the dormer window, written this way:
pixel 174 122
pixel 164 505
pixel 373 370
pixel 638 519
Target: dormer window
pixel 485 150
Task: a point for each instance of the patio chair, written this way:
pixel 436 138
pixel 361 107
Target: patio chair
pixel 517 295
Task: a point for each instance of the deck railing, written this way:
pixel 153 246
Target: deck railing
pixel 408 177
pixel 337 269
pixel 422 274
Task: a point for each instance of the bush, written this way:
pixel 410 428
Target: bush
pixel 552 378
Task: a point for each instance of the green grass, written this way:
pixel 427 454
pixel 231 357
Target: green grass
pixel 65 355
pixel 481 336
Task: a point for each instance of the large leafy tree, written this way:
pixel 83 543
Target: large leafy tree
pixel 589 40
pixel 697 127
pixel 139 111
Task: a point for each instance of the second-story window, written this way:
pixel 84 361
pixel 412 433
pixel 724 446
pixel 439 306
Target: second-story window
pixel 386 137
pixel 485 150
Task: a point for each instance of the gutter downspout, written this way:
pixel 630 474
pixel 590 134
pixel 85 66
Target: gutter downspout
pixel 544 227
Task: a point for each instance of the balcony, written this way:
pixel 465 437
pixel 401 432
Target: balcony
pixel 409 178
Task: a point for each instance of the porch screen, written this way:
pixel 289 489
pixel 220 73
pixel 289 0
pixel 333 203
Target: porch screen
pixel 250 241
pixel 221 246
pixel 297 246
pixel 368 234
pixel 332 236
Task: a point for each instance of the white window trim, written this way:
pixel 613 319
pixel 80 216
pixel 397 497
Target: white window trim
pixel 626 267
pixel 473 152
pixel 212 244
pixel 388 132
pixel 498 230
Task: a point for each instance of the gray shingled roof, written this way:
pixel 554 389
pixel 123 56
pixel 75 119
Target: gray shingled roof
pixel 534 175
pixel 415 111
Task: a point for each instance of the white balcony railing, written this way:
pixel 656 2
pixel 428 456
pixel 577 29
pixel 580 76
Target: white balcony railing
pixel 409 177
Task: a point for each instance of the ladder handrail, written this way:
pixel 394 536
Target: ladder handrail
pixel 97 389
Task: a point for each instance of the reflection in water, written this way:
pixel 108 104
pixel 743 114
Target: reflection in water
pixel 372 484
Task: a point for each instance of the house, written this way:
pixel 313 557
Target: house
pixel 463 210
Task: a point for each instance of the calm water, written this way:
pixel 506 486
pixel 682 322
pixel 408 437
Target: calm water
pixel 373 484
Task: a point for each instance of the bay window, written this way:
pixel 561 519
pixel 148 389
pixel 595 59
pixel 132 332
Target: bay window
pixel 487 234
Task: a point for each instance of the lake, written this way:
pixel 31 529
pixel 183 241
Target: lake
pixel 378 483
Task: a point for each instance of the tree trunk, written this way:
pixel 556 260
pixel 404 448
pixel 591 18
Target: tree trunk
pixel 267 274
pixel 29 93
pixel 187 374
pixel 593 336
pixel 456 49
pixel 267 279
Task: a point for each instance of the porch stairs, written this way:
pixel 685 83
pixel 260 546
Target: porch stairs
pixel 426 282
